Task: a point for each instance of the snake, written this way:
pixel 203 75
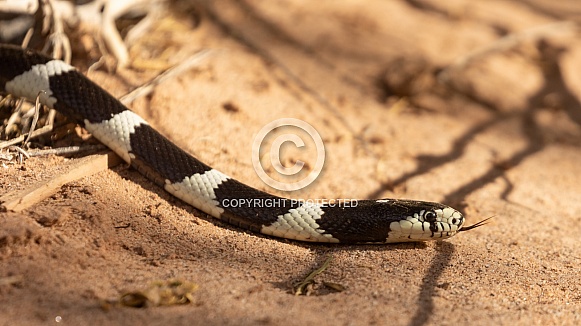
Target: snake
pixel 28 74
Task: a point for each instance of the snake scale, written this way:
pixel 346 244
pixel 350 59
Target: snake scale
pixel 25 73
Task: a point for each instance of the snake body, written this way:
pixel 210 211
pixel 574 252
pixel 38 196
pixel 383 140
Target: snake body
pixel 25 73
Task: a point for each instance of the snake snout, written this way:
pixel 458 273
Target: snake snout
pixel 447 223
pixel 452 217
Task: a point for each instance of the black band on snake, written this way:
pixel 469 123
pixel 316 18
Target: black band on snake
pixel 25 73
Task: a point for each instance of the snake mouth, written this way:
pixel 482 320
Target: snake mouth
pixel 475 225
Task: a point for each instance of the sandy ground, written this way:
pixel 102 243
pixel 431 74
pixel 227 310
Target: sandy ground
pixel 499 136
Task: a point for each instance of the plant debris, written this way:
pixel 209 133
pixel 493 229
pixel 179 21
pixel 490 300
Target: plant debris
pixel 160 293
pixel 305 287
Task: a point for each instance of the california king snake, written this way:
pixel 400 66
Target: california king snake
pixel 25 73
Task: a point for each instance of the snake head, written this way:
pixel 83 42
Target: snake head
pixel 427 224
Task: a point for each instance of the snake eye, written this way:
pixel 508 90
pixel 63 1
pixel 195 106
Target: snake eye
pixel 430 216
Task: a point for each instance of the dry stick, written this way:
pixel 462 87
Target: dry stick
pixel 76 169
pixel 20 150
pixel 12 121
pixel 35 118
pixel 113 10
pixel 11 280
pixel 22 7
pixel 50 117
pixel 155 10
pixel 61 43
pixel 148 87
pixel 39 132
pixel 507 42
pixel 66 150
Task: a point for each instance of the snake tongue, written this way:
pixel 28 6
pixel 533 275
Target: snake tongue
pixel 474 226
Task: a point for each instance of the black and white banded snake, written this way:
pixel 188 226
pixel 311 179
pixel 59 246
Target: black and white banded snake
pixel 25 73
